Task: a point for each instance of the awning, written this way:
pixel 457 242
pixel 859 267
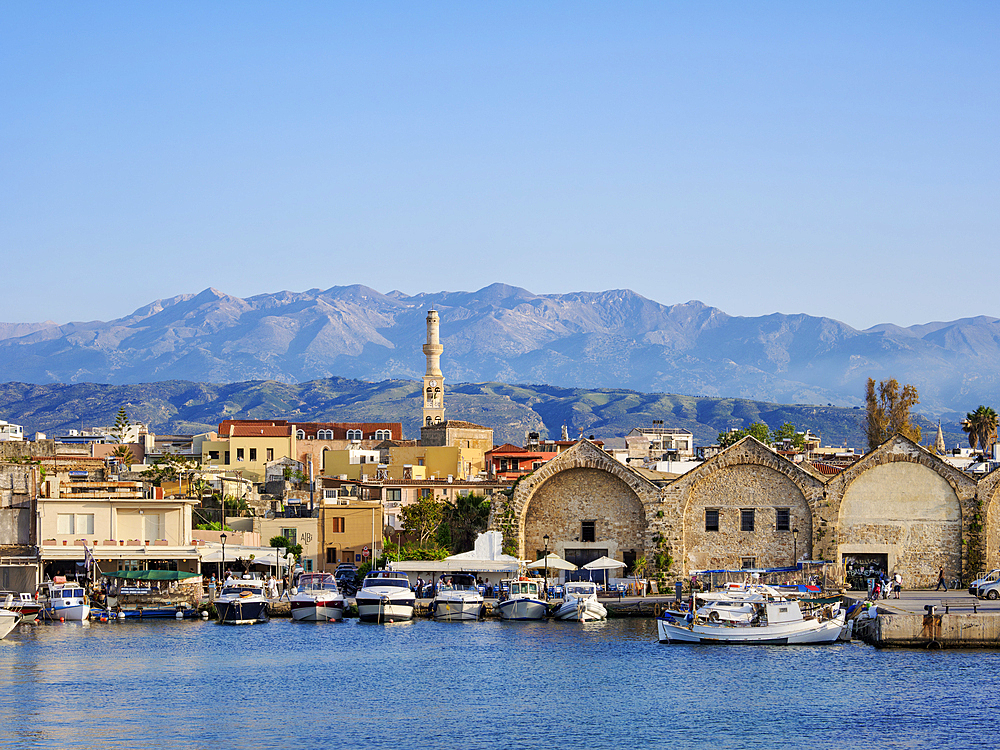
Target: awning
pixel 453 566
pixel 151 575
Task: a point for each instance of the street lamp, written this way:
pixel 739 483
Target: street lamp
pixel 546 540
pixel 795 546
pixel 222 536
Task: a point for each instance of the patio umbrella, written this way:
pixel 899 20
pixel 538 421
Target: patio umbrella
pixel 603 563
pixel 552 561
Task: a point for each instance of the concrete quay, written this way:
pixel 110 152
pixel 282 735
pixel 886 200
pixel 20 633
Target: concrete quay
pixel 959 620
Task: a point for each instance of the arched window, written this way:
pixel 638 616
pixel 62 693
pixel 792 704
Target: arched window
pixel 354 434
pixel 324 435
pixel 300 434
pixel 383 434
pixel 428 421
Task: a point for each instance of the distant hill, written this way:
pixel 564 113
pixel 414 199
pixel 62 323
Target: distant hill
pixel 511 410
pixel 611 339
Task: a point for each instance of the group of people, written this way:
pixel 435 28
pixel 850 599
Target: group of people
pixel 881 586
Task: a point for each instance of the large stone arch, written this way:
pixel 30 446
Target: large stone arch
pixel 906 504
pixel 987 522
pixel 745 476
pixel 583 483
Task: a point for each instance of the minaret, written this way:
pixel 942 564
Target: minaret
pixel 433 379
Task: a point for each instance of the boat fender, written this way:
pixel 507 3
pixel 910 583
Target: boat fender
pixel 482 612
pixel 713 616
pixel 658 609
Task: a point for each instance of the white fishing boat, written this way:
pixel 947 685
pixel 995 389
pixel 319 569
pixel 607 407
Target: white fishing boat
pixel 385 596
pixel 458 598
pixel 64 600
pixel 773 622
pixel 580 603
pixel 317 599
pixel 523 601
pixel 242 602
pixel 9 618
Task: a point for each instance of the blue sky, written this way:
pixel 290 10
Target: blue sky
pixel 838 159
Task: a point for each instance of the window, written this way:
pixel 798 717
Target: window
pixel 394 495
pixel 503 464
pixel 425 492
pixel 239 454
pixel 253 454
pixel 514 463
pixel 213 455
pixel 85 523
pixel 588 531
pixel 783 519
pixel 383 434
pixel 746 563
pixel 300 434
pixel 354 434
pixel 336 525
pixel 270 454
pixel 65 524
pixel 227 457
pixel 80 523
pixel 746 519
pixel 331 555
pixel 711 519
pixel 307 565
pixel 325 435
pixel 290 534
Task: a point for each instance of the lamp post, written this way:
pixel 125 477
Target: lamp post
pixel 795 546
pixel 222 536
pixel 546 539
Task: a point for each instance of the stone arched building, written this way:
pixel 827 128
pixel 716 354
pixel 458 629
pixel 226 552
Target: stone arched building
pixel 900 506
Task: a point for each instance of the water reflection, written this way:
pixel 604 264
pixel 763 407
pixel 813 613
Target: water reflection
pixel 425 684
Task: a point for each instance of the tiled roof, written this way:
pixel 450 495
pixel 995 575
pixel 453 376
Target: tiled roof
pixel 507 448
pixel 456 424
pixel 826 469
pixel 260 430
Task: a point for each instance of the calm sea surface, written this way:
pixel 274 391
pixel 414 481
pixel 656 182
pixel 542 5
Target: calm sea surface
pixel 471 685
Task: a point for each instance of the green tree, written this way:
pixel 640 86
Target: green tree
pixel 981 426
pixel 760 431
pixel 283 541
pixel 466 518
pixel 731 437
pixel 887 412
pixel 120 433
pixel 422 518
pixel 787 433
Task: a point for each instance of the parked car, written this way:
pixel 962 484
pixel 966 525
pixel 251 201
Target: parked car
pixel 982 580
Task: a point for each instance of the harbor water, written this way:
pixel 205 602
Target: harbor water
pixel 491 684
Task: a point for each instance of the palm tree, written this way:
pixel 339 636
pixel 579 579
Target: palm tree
pixel 981 426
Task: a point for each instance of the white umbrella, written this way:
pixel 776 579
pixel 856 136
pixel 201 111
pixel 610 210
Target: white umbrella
pixel 604 563
pixel 552 561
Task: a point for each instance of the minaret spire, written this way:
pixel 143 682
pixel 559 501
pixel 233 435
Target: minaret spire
pixel 433 379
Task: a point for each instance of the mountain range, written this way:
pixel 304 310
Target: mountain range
pixel 614 339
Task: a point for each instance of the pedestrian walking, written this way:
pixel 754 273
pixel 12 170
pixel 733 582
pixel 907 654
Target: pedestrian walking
pixel 941 581
pixel 897 584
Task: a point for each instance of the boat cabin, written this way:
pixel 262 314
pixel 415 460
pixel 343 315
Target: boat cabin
pixel 317 581
pixel 386 578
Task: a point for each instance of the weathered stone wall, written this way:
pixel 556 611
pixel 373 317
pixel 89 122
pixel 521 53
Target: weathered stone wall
pixel 730 490
pixel 559 507
pixel 987 522
pixel 904 502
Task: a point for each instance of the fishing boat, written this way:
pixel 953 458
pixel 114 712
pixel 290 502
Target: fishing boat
pixel 22 603
pixel 458 598
pixel 317 599
pixel 385 596
pixel 9 619
pixel 64 600
pixel 242 602
pixel 580 603
pixel 772 622
pixel 524 601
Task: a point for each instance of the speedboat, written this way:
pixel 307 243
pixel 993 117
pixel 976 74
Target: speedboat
pixel 22 603
pixel 524 601
pixel 242 602
pixel 776 622
pixel 385 596
pixel 317 599
pixel 580 603
pixel 458 598
pixel 64 600
pixel 9 619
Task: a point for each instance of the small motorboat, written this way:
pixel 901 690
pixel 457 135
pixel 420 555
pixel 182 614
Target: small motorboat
pixel 524 601
pixel 9 619
pixel 580 603
pixel 64 600
pixel 775 622
pixel 22 603
pixel 242 602
pixel 317 599
pixel 458 598
pixel 385 596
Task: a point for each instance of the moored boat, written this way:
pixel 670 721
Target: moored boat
pixel 22 603
pixel 317 599
pixel 773 622
pixel 524 601
pixel 9 619
pixel 242 602
pixel 580 603
pixel 458 598
pixel 385 596
pixel 64 600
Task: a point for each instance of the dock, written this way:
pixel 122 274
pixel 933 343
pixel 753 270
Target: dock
pixel 931 620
